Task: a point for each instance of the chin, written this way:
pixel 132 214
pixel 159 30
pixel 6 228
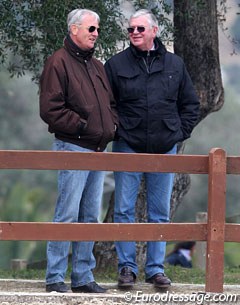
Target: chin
pixel 139 45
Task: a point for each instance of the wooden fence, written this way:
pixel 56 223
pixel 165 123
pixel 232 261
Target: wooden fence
pixel 215 232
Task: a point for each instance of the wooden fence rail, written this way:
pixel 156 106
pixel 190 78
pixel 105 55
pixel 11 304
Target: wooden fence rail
pixel 215 232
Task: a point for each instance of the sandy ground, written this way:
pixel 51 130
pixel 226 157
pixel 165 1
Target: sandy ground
pixel 16 292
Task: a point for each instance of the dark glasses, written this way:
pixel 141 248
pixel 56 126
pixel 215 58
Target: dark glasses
pixel 93 28
pixel 140 29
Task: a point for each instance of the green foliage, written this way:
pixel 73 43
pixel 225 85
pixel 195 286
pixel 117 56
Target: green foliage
pixel 22 204
pixel 231 255
pixel 177 275
pixel 161 9
pixel 25 195
pixel 232 275
pixel 23 274
pixel 235 35
pixel 215 131
pixel 32 30
pixel 35 29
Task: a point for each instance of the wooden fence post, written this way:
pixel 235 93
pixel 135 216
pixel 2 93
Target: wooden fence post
pixel 18 264
pixel 200 251
pixel 216 220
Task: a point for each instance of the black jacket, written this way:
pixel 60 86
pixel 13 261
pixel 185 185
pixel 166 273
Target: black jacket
pixel 156 101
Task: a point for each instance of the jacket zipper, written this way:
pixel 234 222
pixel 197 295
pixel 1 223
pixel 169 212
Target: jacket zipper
pixel 145 63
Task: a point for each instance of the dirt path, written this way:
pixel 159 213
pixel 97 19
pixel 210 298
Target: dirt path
pixel 18 292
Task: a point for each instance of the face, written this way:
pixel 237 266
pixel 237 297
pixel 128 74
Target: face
pixel 144 40
pixel 80 32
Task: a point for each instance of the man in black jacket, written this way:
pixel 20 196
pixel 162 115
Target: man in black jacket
pixel 157 108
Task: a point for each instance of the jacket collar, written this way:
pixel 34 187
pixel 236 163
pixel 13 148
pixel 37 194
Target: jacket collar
pixel 159 50
pixel 75 51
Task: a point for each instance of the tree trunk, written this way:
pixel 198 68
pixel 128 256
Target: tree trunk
pixel 196 41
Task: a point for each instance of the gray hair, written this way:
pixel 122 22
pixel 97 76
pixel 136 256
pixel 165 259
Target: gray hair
pixel 76 16
pixel 143 12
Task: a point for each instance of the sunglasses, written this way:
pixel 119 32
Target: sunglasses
pixel 140 29
pixel 91 28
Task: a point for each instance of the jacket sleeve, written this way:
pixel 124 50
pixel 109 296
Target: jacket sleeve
pixel 114 110
pixel 111 78
pixel 188 104
pixel 113 105
pixel 113 92
pixel 53 100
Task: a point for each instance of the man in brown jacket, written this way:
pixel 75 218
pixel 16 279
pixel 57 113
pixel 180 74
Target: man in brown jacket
pixel 77 104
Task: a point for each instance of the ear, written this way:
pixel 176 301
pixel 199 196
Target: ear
pixel 74 29
pixel 155 30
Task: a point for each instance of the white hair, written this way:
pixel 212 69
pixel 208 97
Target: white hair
pixel 76 16
pixel 143 12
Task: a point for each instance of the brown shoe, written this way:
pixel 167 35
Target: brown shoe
pixel 159 280
pixel 126 278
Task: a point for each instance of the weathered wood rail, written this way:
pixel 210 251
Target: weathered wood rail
pixel 215 232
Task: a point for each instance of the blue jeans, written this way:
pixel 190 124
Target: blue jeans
pixel 159 188
pixel 79 200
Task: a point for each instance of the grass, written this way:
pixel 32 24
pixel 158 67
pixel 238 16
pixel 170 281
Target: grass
pixel 176 274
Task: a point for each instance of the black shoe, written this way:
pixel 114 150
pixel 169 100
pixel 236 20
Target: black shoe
pixel 126 278
pixel 92 287
pixel 159 280
pixel 57 287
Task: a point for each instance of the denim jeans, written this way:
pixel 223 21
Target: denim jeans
pixel 79 200
pixel 159 188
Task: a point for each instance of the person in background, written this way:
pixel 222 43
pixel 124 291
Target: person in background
pixel 181 254
pixel 157 107
pixel 77 104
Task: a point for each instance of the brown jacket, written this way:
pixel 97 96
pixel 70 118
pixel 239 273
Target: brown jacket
pixel 76 100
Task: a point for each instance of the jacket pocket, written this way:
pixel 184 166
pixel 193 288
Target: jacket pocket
pixel 129 123
pixel 173 133
pixel 172 124
pixel 164 134
pixel 83 111
pixel 128 84
pixel 109 124
pixel 171 79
